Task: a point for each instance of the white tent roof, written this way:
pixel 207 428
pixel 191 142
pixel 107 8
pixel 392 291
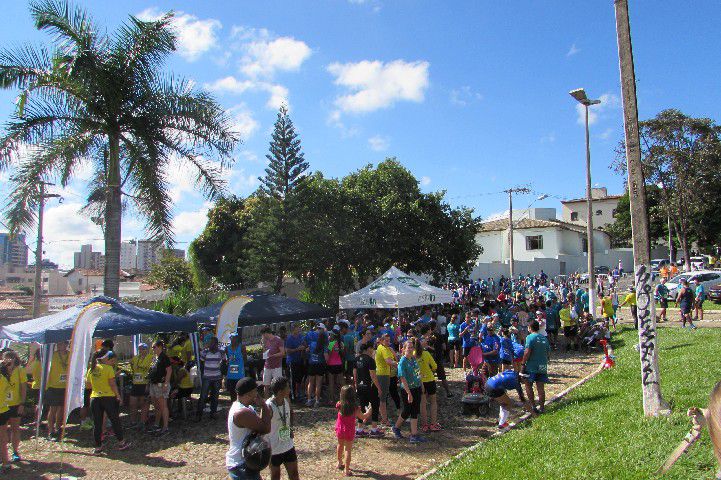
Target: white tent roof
pixel 395 289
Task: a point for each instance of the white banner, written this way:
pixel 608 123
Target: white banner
pixel 81 347
pixel 228 317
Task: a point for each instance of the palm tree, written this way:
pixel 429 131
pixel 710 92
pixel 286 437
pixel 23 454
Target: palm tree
pixel 102 98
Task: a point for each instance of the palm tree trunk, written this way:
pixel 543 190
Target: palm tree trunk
pixel 113 220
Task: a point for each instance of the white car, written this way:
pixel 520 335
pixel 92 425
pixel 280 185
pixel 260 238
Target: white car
pixel 698 263
pixel 708 279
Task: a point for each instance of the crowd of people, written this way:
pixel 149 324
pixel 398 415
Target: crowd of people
pixel 366 364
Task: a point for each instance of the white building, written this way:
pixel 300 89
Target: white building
pixel 541 242
pixel 52 280
pixel 603 205
pixel 141 255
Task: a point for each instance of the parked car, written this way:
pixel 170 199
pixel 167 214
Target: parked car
pixel 658 263
pixel 708 278
pixel 601 270
pixel 714 293
pixel 698 263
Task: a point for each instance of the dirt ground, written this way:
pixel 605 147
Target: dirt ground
pixel 197 450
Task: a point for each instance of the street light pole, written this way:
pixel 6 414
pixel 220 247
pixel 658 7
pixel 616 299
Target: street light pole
pixel 580 95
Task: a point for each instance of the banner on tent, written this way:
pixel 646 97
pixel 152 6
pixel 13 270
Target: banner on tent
pixel 228 317
pixel 81 346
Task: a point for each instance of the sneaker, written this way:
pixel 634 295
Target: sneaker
pixel 162 433
pixel 309 402
pixel 316 404
pixel 693 327
pixel 124 445
pixel 436 427
pixel 376 433
pixel 425 428
pixel 503 426
pixel 15 457
pixel 361 432
pixel 397 432
pixel 98 451
pixel 416 439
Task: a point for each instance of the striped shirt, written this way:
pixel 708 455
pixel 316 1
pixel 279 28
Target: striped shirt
pixel 211 363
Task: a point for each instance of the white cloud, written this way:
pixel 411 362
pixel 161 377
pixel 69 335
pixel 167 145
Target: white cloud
pixel 609 101
pixel 64 230
pixel 464 96
pixel 278 94
pixel 195 36
pixel 573 50
pixel 379 143
pixel 191 222
pixel 243 122
pixel 425 181
pixel 373 85
pixel 334 119
pixel 497 216
pixel 266 57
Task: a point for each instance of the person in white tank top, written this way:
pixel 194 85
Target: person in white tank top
pixel 242 420
pixel 281 431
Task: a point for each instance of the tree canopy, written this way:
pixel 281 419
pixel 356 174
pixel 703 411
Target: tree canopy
pixel 351 230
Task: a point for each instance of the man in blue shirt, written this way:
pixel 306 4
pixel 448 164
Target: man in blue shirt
pixel 236 355
pixel 468 329
pixel 700 298
pixel 294 348
pixel 491 345
pixel 535 360
pixel 497 388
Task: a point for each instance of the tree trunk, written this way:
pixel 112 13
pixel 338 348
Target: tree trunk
pixel 113 220
pixel 685 250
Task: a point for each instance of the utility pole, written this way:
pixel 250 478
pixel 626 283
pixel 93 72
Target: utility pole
pixel 37 289
pixel 510 193
pixel 653 402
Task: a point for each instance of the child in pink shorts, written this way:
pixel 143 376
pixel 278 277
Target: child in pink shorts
pixel 348 411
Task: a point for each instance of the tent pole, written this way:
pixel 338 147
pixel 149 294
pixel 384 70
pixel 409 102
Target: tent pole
pixel 46 354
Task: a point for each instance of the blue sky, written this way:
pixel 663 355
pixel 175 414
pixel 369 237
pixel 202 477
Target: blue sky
pixel 472 99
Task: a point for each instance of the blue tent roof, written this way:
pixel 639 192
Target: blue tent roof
pixel 265 309
pixel 121 319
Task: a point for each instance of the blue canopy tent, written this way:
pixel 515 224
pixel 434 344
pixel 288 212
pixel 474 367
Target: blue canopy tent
pixel 121 319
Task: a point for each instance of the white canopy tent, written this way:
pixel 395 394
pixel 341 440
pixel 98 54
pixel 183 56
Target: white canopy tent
pixel 395 289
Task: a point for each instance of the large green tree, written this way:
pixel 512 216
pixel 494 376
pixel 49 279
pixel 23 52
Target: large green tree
pixel 104 98
pixel 275 252
pixel 682 156
pixel 620 229
pixel 171 273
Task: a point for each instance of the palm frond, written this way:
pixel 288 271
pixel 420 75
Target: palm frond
pixel 141 46
pixel 20 68
pixel 73 28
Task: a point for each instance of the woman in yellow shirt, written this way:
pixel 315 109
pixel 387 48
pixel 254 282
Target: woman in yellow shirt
pixel 15 397
pixel 104 399
pixel 139 367
pixel 4 418
pixel 55 394
pixel 427 367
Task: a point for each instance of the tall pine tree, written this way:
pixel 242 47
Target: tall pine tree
pixel 280 190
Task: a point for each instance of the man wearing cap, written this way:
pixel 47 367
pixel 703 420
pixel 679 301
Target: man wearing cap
pixel 237 358
pixel 243 421
pixel 139 367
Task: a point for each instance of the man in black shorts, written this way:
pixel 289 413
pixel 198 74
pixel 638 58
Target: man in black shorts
pixel 497 387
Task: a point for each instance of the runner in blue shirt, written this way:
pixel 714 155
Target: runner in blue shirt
pixel 497 388
pixel 235 352
pixel 294 348
pixel 468 329
pixel 491 346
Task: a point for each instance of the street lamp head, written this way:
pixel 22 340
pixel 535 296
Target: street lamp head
pixel 580 95
pixel 542 197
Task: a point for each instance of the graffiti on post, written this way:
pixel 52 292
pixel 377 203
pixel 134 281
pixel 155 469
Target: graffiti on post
pixel 647 330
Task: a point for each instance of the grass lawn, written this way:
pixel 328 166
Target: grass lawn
pixel 599 430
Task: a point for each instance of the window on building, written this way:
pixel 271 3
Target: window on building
pixel 584 244
pixel 534 242
pixel 574 216
pixel 599 213
pixel 80 281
